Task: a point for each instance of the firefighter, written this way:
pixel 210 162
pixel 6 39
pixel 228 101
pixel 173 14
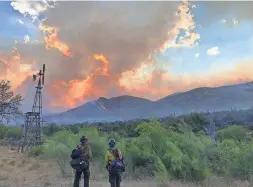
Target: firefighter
pixel 114 164
pixel 84 154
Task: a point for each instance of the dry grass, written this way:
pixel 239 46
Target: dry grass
pixel 18 170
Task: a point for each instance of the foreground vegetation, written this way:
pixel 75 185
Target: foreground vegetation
pixel 18 169
pixel 185 151
pixel 166 153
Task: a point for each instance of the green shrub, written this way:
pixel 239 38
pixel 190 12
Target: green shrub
pixel 36 151
pixel 59 148
pixel 238 133
pixel 160 152
pixel 14 133
pixel 51 129
pixel 73 128
pixel 3 130
pixel 114 135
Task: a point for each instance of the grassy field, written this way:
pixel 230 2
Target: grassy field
pixel 18 170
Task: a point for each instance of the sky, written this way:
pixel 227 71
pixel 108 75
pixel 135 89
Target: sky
pixel 107 49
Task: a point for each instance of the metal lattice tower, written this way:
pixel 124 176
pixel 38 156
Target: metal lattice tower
pixel 32 133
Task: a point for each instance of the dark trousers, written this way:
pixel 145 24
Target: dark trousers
pixel 115 179
pixel 78 175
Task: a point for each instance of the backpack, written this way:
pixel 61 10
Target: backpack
pixel 77 162
pixel 75 153
pixel 116 165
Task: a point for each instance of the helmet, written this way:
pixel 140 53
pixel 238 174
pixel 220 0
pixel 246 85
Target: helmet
pixel 83 139
pixel 111 142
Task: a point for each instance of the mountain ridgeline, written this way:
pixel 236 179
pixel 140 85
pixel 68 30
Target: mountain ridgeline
pixel 122 108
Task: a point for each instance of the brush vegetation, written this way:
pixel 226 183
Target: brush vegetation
pixel 182 151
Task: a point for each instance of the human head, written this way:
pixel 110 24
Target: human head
pixel 111 143
pixel 83 139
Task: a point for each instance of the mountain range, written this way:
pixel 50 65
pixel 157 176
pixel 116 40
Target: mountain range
pixel 122 108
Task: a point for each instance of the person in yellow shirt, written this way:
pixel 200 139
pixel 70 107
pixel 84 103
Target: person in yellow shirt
pixel 114 164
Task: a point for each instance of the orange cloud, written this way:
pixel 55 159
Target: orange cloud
pixel 13 70
pixel 160 83
pixel 52 40
pixel 70 94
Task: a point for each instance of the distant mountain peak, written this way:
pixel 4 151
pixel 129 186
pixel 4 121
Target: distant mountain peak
pixel 102 99
pixel 127 107
pixel 121 97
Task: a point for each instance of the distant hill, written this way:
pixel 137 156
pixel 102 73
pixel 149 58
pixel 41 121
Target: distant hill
pixel 126 107
pixel 103 109
pixel 205 99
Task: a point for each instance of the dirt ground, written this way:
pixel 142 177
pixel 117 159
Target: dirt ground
pixel 18 170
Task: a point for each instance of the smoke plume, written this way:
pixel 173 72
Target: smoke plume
pixel 94 49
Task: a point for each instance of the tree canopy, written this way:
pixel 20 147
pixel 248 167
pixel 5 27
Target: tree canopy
pixel 9 103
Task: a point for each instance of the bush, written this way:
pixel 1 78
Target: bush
pixel 60 146
pixel 14 133
pixel 36 151
pixel 98 142
pixel 3 130
pixel 51 129
pixel 160 152
pixel 238 133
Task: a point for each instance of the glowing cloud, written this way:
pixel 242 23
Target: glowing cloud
pixel 52 40
pixel 185 23
pixel 75 91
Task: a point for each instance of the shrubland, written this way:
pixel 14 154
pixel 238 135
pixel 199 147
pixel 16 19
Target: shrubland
pixel 10 133
pixel 182 150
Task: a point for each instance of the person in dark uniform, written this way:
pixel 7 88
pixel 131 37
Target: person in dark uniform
pixel 114 164
pixel 85 155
